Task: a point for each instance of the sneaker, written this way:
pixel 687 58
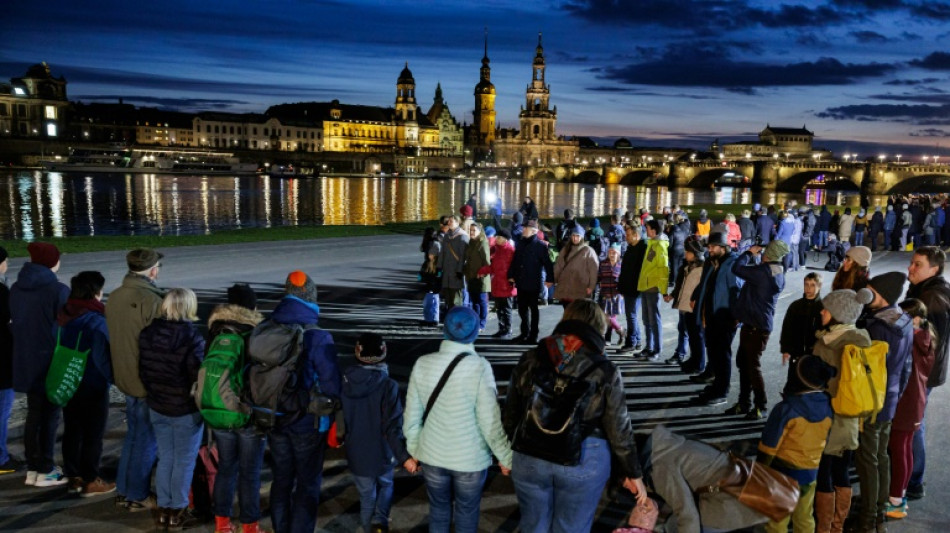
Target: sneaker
pixel 76 485
pixel 143 505
pixel 915 492
pixel 625 348
pixel 737 409
pixel 97 488
pixel 31 476
pixel 649 355
pixel 675 360
pixel 713 400
pixel 179 519
pixel 52 478
pixel 638 348
pixel 704 378
pixel 120 502
pixel 10 466
pixel 896 512
pixel 756 414
pixel 500 333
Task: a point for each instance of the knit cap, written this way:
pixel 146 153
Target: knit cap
pixel 517 217
pixel 490 231
pixel 578 230
pixel 461 325
pixel 242 294
pixel 370 349
pixel 595 223
pixel 775 251
pixel 466 210
pixel 43 253
pixel 860 255
pixel 846 305
pixel 889 285
pixel 300 285
pixel 504 233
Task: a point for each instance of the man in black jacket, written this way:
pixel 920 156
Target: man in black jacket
pixel 531 257
pixel 627 285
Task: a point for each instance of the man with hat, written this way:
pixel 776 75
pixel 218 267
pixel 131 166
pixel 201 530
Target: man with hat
pixel 530 259
pixel 763 282
pixel 716 299
pixel 130 308
pixel 35 300
pixel 884 321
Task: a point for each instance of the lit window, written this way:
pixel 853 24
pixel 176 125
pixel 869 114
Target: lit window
pixel 51 130
pixel 19 91
pixel 51 112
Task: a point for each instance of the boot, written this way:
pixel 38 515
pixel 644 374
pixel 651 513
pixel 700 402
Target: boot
pixel 253 527
pixel 222 524
pixel 880 525
pixel 824 511
pixel 161 518
pixel 842 508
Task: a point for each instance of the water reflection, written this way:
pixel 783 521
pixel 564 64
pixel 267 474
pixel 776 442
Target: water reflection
pixel 40 205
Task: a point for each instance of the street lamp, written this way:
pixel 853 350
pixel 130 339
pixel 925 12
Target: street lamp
pixel 936 157
pixel 898 156
pixel 846 156
pixel 881 158
pixel 926 157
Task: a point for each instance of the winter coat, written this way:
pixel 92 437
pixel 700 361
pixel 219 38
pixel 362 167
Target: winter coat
pixel 562 233
pixel 35 300
pixel 717 294
pixel 529 210
pixel 802 320
pixel 607 278
pixel 597 240
pixel 809 222
pixel 630 269
pixel 452 259
pixel 531 256
pixel 655 273
pixel 890 222
pixel 797 232
pixel 764 228
pixel 795 434
pixel 896 328
pixel 733 233
pixel 913 401
pixel 785 229
pixel 687 280
pixel 746 229
pixel 232 318
pixel 6 339
pixel 860 223
pixel 130 308
pixel 877 222
pixel 373 415
pixel 845 227
pixel 829 347
pixel 616 234
pixel 464 428
pixel 322 370
pixel 824 220
pixel 575 272
pixel 605 416
pixel 501 257
pixel 907 221
pixel 477 255
pixel 85 317
pixel 759 294
pixel 170 355
pixel 935 294
pixel 678 235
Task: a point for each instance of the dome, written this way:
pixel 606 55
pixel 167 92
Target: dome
pixel 623 143
pixel 406 75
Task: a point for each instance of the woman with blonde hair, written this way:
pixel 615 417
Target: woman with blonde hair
pixel 170 353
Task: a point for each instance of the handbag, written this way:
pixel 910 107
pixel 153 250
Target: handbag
pixel 65 371
pixel 761 488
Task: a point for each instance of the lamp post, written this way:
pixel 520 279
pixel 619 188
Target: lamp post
pixel 846 157
pixel 881 158
pixel 898 156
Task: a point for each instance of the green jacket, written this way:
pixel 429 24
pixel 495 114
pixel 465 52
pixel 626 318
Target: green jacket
pixel 477 256
pixel 655 274
pixel 130 308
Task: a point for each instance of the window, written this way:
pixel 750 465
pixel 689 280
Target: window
pixel 3 109
pixel 254 130
pixel 21 110
pixel 51 112
pixel 288 133
pixel 265 132
pixel 216 130
pixel 254 143
pixel 208 128
pixel 51 130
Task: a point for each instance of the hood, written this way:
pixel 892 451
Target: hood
pixel 33 276
pixel 359 381
pixel 293 310
pixel 844 334
pixel 235 314
pixel 593 340
pixel 661 240
pixel 813 406
pixel 76 308
pixel 893 317
pixel 597 232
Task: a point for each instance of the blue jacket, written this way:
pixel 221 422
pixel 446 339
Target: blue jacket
pixel 759 294
pixel 35 299
pixel 373 414
pixel 785 229
pixel 795 434
pixel 890 222
pixel 531 257
pixel 718 292
pixel 170 355
pixel 764 226
pixel 321 368
pixel 824 220
pixel 896 328
pixel 75 319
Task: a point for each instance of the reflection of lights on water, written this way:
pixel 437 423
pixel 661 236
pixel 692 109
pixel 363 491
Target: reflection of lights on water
pixel 491 198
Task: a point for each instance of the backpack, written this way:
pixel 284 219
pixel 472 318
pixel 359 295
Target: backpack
pixel 600 245
pixel 862 381
pixel 552 427
pixel 221 383
pixel 616 235
pixel 274 383
pixel 65 371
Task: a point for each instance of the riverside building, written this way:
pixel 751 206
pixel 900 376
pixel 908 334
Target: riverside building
pixel 32 105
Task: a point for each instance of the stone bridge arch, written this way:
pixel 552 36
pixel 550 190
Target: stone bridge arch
pixel 927 183
pixel 544 174
pixel 640 177
pixel 798 182
pixel 587 176
pixel 707 178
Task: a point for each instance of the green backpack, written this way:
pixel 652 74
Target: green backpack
pixel 220 383
pixel 65 371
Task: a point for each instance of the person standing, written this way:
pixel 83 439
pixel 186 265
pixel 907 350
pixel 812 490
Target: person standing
pixel 530 259
pixel 528 209
pixel 467 218
pixel 564 230
pixel 8 464
pixel 764 228
pixel 792 261
pixel 130 308
pixel 628 284
pixel 764 281
pixel 906 228
pixel 801 322
pixel 610 300
pixel 35 299
pixel 576 269
pixel 692 360
pixel 746 230
pixel 502 253
pixel 860 227
pixel 823 226
pixel 678 233
pixel 653 284
pixel 845 227
pixel 809 221
pixel 478 284
pixel 452 262
pixel 473 203
pixel 875 227
pixel 890 223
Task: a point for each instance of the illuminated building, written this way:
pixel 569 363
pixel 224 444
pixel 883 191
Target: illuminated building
pixel 790 143
pixel 450 133
pixel 483 126
pixel 33 105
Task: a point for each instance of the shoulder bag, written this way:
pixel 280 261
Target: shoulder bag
pixel 441 384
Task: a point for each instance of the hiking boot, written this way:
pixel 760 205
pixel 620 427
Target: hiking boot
pixel 915 492
pixel 737 409
pixel 53 478
pixel 756 414
pixel 143 505
pixel 97 487
pixel 222 524
pixel 10 466
pixel 179 519
pixel 75 485
pixel 896 512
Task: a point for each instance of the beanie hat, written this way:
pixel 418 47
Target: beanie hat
pixel 846 305
pixel 242 294
pixel 775 251
pixel 142 259
pixel 616 246
pixel 489 231
pixel 578 230
pixel 889 285
pixel 43 253
pixel 504 233
pixel 595 223
pixel 847 210
pixel 860 255
pixel 300 285
pixel 3 254
pixel 370 349
pixel 466 210
pixel 568 214
pixel 811 373
pixel 461 325
pixel 695 247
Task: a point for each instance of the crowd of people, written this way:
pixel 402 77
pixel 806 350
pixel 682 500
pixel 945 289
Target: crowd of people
pixel 562 432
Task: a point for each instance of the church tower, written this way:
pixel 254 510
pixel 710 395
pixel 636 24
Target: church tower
pixel 537 118
pixel 407 123
pixel 483 126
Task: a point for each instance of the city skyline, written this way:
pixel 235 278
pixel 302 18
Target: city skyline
pixel 864 75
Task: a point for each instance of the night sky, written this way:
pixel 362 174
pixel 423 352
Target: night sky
pixel 860 73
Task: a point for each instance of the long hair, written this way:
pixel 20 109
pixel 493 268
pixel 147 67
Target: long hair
pixel 586 310
pixel 854 279
pixel 917 309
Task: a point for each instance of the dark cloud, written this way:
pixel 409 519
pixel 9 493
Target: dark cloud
pixel 923 115
pixel 639 92
pixel 181 104
pixel 909 36
pixel 936 96
pixel 871 4
pixel 565 57
pixel 912 82
pixel 868 37
pixel 934 61
pixel 939 11
pixel 810 39
pixel 930 132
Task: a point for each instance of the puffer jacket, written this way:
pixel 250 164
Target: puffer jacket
pixel 531 256
pixel 845 227
pixel 795 435
pixel 170 355
pixel 477 255
pixel 373 415
pixel 913 401
pixel 631 267
pixel 501 257
pixel 606 414
pixel 678 235
pixel 35 299
pixel 655 274
pixel 896 328
pixel 935 294
pixel 84 317
pixel 575 272
pixel 824 220
pixel 131 307
pixel 759 295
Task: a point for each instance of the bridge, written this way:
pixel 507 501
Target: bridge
pixel 763 175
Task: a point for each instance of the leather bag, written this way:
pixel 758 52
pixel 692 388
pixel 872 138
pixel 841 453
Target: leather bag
pixel 761 488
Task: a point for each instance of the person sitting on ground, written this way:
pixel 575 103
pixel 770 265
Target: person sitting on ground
pixel 835 253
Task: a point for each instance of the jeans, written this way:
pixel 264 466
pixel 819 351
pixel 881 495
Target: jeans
pixel 752 342
pixel 298 474
pixel 823 239
pixel 84 421
pixel 376 498
pixel 178 439
pixel 887 239
pixel 697 348
pixel 453 494
pixel 874 468
pixel 479 303
pixel 682 337
pixel 920 452
pixel 39 431
pixel 6 406
pixel 630 301
pixel 240 458
pixel 503 310
pixel 134 476
pixel 872 239
pixel 858 238
pixel 528 311
pixel 803 251
pixel 561 499
pixel 652 325
pixel 719 336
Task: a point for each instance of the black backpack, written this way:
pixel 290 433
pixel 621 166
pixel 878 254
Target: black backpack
pixel 274 382
pixel 552 427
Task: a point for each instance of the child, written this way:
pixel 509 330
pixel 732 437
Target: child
pixel 802 321
pixel 795 434
pixel 373 416
pixel 910 408
pixel 691 331
pixel 610 300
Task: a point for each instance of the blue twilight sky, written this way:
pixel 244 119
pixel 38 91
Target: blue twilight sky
pixel 860 73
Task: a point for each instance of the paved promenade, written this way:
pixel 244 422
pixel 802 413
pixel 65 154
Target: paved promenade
pixel 369 283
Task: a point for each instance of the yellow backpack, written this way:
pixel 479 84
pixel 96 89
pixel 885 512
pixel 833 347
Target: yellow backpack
pixel 862 382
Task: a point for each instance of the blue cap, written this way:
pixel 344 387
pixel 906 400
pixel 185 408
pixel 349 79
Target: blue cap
pixel 461 325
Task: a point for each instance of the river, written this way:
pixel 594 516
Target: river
pixel 35 204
